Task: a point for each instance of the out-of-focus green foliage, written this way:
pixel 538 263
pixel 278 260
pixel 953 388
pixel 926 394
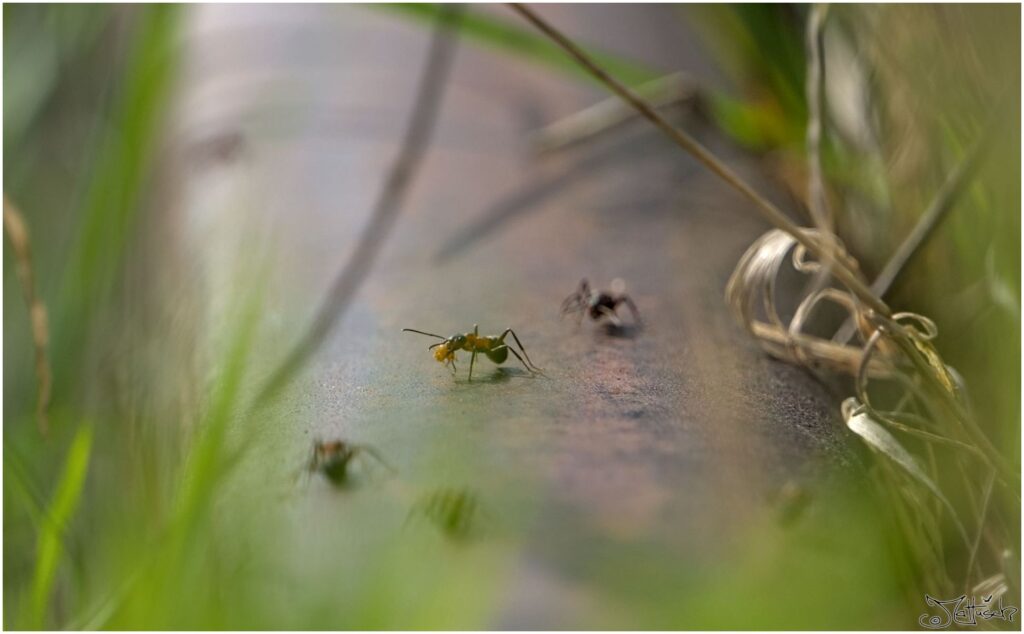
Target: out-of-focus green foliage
pixel 120 172
pixel 50 544
pixel 937 90
pixel 143 520
pixel 909 91
pixel 149 526
pixel 936 76
pixel 525 43
pixel 761 48
pixel 40 42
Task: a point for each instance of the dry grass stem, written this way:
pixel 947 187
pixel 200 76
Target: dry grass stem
pixel 750 293
pixel 611 113
pixel 897 349
pixel 937 209
pixel 17 231
pixel 816 200
pixel 770 212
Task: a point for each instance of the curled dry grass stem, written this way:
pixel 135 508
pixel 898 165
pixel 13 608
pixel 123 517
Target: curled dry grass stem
pixel 751 291
pixel 932 387
pixel 17 232
pixel 859 421
pixel 899 349
pixel 767 209
pixel 941 392
pixel 907 349
pixel 816 200
pixel 938 391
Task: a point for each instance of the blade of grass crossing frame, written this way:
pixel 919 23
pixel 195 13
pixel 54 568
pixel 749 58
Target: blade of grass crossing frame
pixel 50 545
pixel 523 43
pixel 119 174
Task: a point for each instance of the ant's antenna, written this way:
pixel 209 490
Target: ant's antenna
pixel 429 334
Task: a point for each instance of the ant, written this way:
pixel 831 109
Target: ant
pixel 493 346
pixel 332 458
pixel 598 304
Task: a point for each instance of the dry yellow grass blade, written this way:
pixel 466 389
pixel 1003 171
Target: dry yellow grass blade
pixel 17 232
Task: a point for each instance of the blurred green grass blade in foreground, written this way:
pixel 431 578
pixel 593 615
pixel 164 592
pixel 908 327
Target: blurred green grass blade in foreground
pixel 117 187
pixel 50 545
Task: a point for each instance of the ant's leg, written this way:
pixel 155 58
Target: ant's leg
pixel 472 359
pixel 575 303
pixel 528 368
pixel 632 309
pixel 376 455
pixel 571 303
pixel 520 344
pixel 610 314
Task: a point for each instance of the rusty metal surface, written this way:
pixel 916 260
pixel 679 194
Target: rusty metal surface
pixel 665 437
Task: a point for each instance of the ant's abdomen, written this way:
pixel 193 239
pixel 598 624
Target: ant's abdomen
pixel 498 355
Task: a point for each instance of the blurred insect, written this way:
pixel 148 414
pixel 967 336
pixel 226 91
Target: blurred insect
pixel 494 347
pixel 335 457
pixel 600 304
pixel 455 512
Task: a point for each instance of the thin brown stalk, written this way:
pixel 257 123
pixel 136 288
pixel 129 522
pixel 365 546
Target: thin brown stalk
pixel 930 437
pixel 989 485
pixel 937 209
pixel 709 160
pixel 611 113
pixel 816 201
pixel 389 203
pixel 17 231
pixel 841 358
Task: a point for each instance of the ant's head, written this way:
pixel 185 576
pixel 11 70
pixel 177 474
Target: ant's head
pixel 456 342
pixel 326 449
pixel 445 350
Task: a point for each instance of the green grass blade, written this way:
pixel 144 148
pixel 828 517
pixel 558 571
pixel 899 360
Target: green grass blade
pixel 878 438
pixel 122 169
pixel 50 545
pixel 18 483
pixel 519 41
